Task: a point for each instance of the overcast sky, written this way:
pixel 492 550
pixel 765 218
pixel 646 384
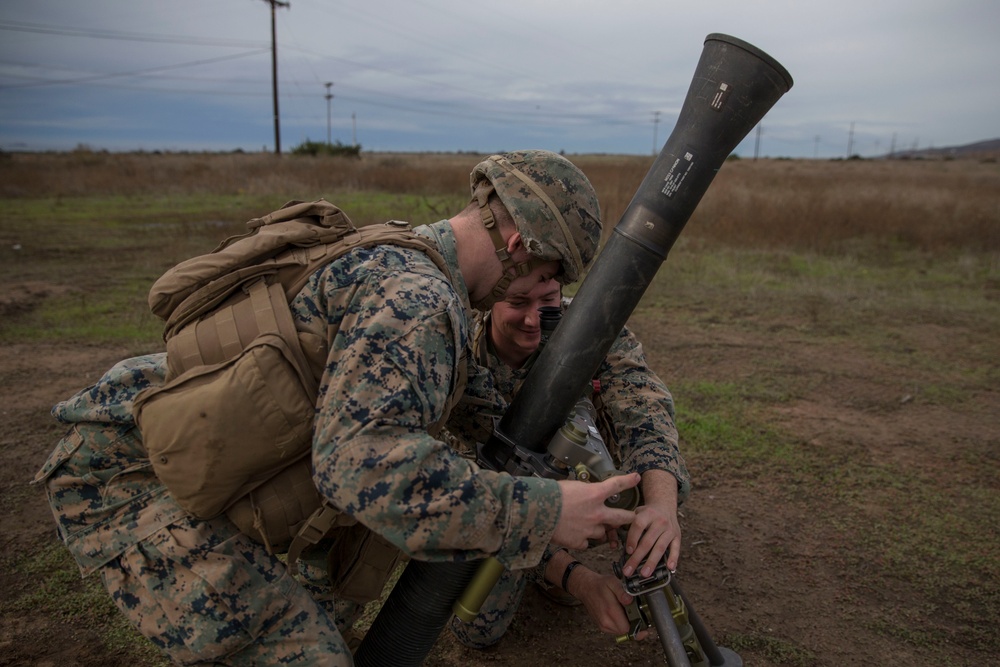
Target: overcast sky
pixel 450 75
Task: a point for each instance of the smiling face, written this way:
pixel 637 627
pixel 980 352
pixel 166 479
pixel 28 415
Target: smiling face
pixel 515 330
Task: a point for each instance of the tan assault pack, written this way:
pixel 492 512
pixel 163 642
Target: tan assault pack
pixel 231 429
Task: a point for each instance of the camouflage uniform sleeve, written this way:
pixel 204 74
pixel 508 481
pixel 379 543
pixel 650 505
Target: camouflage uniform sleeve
pixel 389 373
pixel 110 399
pixel 636 409
pixel 101 487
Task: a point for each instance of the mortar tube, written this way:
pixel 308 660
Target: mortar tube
pixel 414 614
pixel 734 85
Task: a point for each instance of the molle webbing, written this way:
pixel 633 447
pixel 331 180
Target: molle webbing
pixel 229 325
pixel 218 293
pixel 230 329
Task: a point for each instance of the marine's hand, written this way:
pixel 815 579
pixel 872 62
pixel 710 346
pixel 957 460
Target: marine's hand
pixel 655 530
pixel 652 534
pixel 584 515
pixel 605 600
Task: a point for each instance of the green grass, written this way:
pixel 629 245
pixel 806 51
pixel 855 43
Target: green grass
pixel 95 259
pixel 774 649
pixel 845 292
pixel 116 315
pixel 902 526
pixel 53 586
pixel 723 423
pixel 106 252
pixel 884 304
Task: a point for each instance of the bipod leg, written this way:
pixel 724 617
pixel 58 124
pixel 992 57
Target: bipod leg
pixel 717 656
pixel 670 636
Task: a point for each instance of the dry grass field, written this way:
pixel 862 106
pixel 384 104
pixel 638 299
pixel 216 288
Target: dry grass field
pixel 828 329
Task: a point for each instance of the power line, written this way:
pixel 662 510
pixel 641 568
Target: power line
pixel 39 28
pixel 615 117
pixel 377 21
pixel 467 103
pixel 138 72
pixel 358 95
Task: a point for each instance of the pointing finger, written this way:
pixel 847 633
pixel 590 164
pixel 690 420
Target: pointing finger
pixel 619 483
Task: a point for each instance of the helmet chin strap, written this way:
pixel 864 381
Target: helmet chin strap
pixel 511 269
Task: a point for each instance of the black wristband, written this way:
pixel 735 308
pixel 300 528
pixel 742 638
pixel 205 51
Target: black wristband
pixel 569 570
pixel 548 555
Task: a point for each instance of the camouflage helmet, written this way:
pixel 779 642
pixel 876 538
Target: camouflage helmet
pixel 554 206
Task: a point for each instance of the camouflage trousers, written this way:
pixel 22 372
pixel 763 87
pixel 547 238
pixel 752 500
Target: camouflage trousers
pixel 201 591
pixel 205 593
pixel 496 614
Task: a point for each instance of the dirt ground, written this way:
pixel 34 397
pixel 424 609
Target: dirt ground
pixel 754 562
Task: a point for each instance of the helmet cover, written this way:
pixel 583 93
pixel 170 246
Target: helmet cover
pixel 553 204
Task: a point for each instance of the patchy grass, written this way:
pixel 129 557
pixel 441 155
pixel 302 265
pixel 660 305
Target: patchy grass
pixel 722 424
pixel 931 323
pixel 905 275
pixel 776 650
pixel 905 529
pixel 107 251
pixel 53 587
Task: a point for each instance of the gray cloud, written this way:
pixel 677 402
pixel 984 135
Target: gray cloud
pixel 449 75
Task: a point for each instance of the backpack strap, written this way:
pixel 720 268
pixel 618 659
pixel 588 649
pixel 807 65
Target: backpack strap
pixel 215 306
pixel 316 527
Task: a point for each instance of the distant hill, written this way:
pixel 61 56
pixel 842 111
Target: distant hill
pixel 978 150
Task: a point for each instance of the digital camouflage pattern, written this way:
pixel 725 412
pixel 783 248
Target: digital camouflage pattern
pixel 635 410
pixel 553 204
pixel 395 329
pixel 205 593
pixel 100 484
pixel 635 415
pixel 201 590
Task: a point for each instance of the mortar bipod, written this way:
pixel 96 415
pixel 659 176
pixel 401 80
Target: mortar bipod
pixel 659 601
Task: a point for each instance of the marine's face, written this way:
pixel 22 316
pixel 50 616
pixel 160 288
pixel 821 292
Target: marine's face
pixel 514 323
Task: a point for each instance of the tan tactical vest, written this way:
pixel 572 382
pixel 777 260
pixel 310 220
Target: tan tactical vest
pixel 231 429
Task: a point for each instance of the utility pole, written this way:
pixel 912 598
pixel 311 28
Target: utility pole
pixel 328 96
pixel 756 147
pixel 656 123
pixel 850 141
pixel 354 129
pixel 274 73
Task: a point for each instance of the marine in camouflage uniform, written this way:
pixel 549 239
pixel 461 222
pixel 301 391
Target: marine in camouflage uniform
pixel 200 590
pixel 395 328
pixel 635 416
